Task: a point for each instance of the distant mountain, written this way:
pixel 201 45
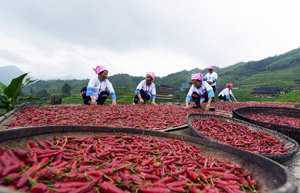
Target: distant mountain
pixel 7 73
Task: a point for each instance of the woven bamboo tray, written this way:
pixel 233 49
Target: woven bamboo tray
pixel 292 144
pixel 272 177
pixel 290 131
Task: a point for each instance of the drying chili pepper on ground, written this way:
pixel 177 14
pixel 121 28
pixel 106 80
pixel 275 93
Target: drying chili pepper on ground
pixel 155 117
pixel 240 136
pixel 119 163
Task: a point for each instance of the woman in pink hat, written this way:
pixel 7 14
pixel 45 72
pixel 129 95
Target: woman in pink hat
pixel 226 93
pixel 211 77
pixel 96 91
pixel 145 90
pixel 200 92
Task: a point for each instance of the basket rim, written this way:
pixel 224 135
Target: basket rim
pixel 282 137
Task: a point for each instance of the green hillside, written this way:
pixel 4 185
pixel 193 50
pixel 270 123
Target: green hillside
pixel 276 71
pixel 280 71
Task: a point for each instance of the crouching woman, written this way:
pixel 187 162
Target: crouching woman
pixel 226 93
pixel 200 92
pixel 145 90
pixel 99 88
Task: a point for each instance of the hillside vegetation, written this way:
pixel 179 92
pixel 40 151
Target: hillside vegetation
pixel 276 71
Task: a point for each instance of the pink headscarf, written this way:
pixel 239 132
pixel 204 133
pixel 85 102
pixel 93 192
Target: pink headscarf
pixel 211 67
pixel 99 69
pixel 197 76
pixel 152 75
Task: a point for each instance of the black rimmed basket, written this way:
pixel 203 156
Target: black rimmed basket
pixel 290 131
pixel 272 177
pixel 290 143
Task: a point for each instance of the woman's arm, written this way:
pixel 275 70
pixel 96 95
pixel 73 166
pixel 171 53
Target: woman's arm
pixel 112 93
pixel 153 93
pixel 93 100
pixel 153 101
pixel 188 98
pixel 208 104
pixel 141 99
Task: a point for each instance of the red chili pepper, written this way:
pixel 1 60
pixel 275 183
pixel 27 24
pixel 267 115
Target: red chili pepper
pixel 167 179
pixel 20 152
pixel 177 184
pixel 150 189
pixel 227 176
pixel 12 178
pixel 86 187
pixel 147 162
pixel 136 178
pixel 32 144
pixel 192 174
pixel 39 188
pixel 176 173
pixel 176 189
pixel 227 189
pixel 193 189
pixel 11 169
pixel 24 178
pixel 59 185
pixel 109 187
pixel 149 176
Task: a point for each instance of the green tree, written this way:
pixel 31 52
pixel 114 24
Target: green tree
pixel 66 89
pixel 42 94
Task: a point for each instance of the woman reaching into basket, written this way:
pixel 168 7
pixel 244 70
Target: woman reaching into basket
pixel 96 91
pixel 145 90
pixel 200 92
pixel 226 93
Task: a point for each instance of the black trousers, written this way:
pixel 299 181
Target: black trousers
pixel 144 96
pixel 222 97
pixel 101 98
pixel 196 98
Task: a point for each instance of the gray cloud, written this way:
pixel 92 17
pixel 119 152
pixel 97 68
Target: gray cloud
pixel 11 56
pixel 200 32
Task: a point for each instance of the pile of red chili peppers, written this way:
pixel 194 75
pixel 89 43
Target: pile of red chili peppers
pixel 155 117
pixel 119 163
pixel 281 120
pixel 240 136
pixel 229 107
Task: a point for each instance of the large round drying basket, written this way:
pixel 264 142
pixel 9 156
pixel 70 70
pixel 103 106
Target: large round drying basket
pixel 272 177
pixel 289 142
pixel 290 131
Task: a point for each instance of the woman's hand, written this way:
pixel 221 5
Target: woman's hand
pixel 207 107
pixel 142 101
pixel 93 102
pixel 114 102
pixel 187 106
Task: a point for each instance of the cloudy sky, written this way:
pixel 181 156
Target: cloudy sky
pixel 58 38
